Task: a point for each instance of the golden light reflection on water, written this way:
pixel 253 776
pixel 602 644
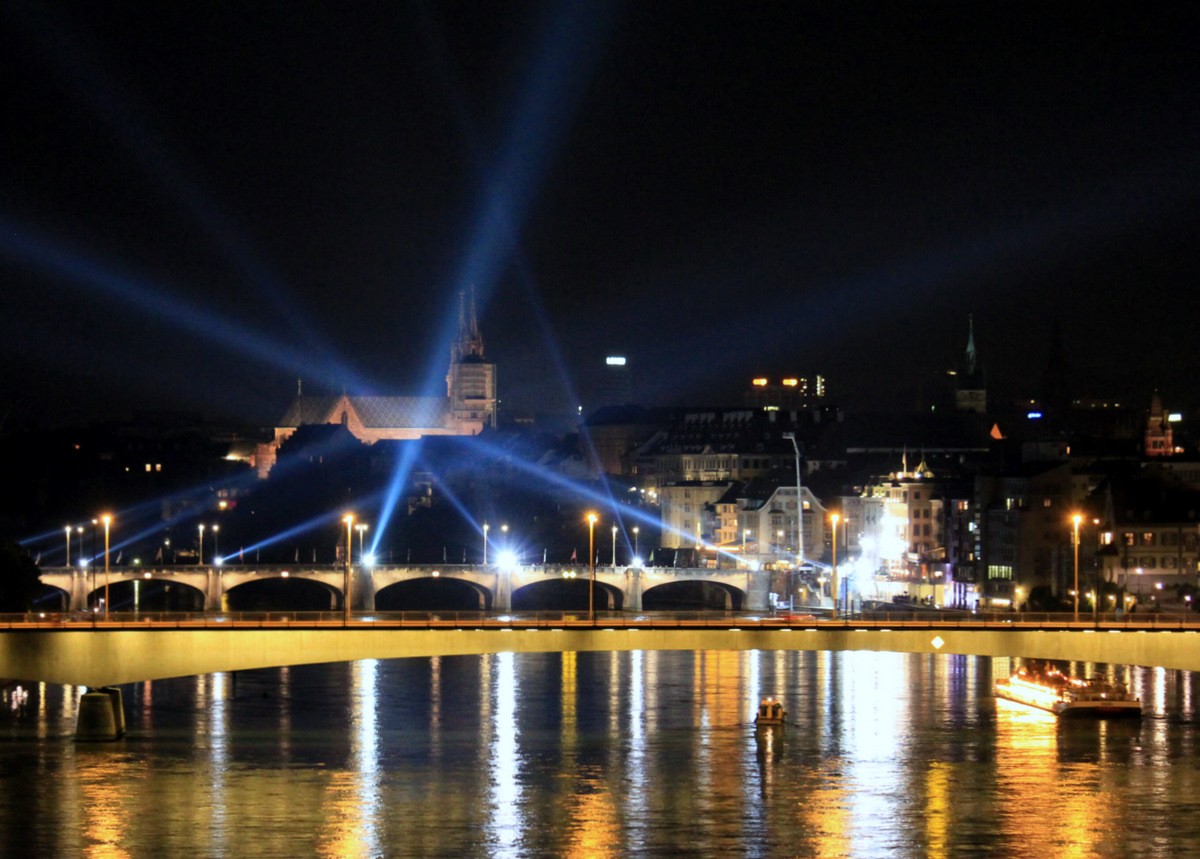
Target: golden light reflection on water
pixel 937 809
pixel 1032 781
pixel 592 816
pixel 105 815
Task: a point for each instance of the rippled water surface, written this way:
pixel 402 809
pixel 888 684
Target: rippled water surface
pixel 603 755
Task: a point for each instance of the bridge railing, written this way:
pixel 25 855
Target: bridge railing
pixel 616 619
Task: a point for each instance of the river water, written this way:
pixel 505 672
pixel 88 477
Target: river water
pixel 598 754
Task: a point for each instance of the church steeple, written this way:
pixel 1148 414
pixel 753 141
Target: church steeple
pixel 970 394
pixel 471 380
pixel 469 342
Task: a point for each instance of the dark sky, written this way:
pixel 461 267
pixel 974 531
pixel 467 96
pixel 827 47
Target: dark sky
pixel 202 202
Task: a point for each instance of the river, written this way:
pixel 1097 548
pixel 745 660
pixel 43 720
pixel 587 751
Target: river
pixel 596 754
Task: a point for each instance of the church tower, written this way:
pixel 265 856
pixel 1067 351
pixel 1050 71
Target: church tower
pixel 970 390
pixel 1159 441
pixel 471 380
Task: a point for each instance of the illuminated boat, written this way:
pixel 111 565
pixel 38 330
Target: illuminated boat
pixel 770 712
pixel 1052 690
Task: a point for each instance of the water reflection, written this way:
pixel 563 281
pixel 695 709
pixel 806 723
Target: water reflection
pixel 594 754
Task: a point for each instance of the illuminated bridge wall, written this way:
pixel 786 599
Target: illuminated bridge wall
pixel 108 657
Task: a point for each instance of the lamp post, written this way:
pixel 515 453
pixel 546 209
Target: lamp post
pixel 216 545
pixel 1075 520
pixel 1139 572
pixel 635 541
pixel 835 518
pixel 361 527
pixel 591 518
pixel 349 520
pixel 745 535
pixel 485 530
pixel 200 555
pixel 68 530
pixel 791 436
pixel 79 534
pixel 107 520
pixel 614 552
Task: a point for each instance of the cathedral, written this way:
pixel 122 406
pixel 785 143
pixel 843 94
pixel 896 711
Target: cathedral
pixel 468 407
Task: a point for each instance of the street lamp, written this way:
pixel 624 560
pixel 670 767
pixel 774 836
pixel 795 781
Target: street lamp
pixel 360 528
pixel 216 545
pixel 635 541
pixel 79 534
pixel 485 530
pixel 1139 572
pixel 614 554
pixel 745 535
pixel 791 436
pixel 835 518
pixel 68 530
pixel 107 520
pixel 591 518
pixel 349 520
pixel 1076 519
pixel 200 555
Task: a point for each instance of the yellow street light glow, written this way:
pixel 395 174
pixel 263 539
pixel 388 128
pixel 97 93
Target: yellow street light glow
pixel 791 383
pixel 760 382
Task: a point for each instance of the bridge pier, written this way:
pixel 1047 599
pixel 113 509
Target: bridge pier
pixel 363 596
pixel 633 601
pixel 101 715
pixel 502 595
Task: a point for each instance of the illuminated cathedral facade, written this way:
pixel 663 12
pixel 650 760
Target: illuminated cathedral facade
pixel 468 407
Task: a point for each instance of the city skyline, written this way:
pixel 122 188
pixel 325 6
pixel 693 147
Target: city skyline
pixel 205 204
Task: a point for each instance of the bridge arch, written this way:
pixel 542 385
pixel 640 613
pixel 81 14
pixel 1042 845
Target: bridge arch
pixel 566 594
pixel 694 594
pixel 434 593
pixel 147 594
pixel 282 593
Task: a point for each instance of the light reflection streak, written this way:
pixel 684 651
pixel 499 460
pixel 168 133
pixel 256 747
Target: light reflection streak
pixel 105 817
pixel 435 707
pixel 218 733
pixel 504 795
pixel 877 706
pixel 353 808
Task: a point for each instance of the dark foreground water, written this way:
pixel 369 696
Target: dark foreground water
pixel 632 754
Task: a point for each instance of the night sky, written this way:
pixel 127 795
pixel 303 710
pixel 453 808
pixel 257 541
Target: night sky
pixel 203 202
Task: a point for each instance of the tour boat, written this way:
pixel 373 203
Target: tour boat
pixel 770 712
pixel 1050 689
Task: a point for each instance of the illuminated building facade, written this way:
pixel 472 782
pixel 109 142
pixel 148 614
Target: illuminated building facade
pixel 468 407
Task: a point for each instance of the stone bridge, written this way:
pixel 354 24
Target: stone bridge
pixel 617 588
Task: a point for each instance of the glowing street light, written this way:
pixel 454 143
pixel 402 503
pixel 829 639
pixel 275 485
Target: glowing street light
pixel 349 520
pixel 200 556
pixel 835 518
pixel 791 436
pixel 68 530
pixel 79 534
pixel 216 545
pixel 1076 519
pixel 614 554
pixel 591 518
pixel 485 530
pixel 635 541
pixel 107 520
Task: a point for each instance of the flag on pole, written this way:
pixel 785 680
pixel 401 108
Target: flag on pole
pixel 574 556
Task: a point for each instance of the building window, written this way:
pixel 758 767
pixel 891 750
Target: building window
pixel 1148 538
pixel 1046 502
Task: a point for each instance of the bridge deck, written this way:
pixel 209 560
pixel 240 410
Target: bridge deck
pixel 97 652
